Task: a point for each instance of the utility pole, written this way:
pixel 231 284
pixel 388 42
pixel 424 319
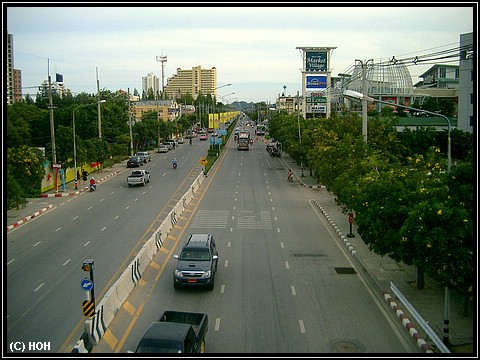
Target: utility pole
pixel 52 127
pixel 98 109
pixel 130 124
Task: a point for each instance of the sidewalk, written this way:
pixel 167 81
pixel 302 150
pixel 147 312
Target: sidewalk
pixel 37 206
pixel 429 302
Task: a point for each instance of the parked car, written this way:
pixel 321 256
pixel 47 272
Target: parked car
pixel 197 263
pixel 169 145
pixel 163 149
pixel 180 140
pixel 144 155
pixel 135 161
pixel 173 143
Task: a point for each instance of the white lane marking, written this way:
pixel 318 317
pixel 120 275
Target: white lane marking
pixel 226 263
pixel 75 218
pixel 231 229
pixel 66 262
pixel 116 217
pixel 222 289
pixel 302 327
pixel 278 230
pixel 292 288
pixel 8 263
pixel 229 243
pixel 88 242
pixel 37 243
pixel 282 246
pixel 287 265
pixel 90 208
pixel 127 207
pixel 39 287
pixel 60 228
pixel 217 324
pixel 103 228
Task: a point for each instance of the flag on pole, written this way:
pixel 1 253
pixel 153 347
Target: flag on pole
pixel 59 78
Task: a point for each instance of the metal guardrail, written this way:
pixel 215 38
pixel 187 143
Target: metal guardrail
pixel 424 324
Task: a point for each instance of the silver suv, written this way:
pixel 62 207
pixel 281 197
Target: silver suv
pixel 144 156
pixel 197 263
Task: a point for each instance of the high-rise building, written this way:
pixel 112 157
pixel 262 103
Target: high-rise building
pixel 192 82
pixel 10 65
pixel 150 81
pixel 466 96
pixel 17 85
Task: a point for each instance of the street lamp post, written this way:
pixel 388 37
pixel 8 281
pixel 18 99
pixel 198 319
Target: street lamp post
pixel 74 140
pixel 359 96
pixel 224 96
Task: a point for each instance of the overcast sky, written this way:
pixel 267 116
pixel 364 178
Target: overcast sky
pixel 253 48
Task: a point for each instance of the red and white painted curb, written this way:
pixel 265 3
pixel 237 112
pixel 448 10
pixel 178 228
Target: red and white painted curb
pixel 77 191
pixel 421 343
pixel 25 219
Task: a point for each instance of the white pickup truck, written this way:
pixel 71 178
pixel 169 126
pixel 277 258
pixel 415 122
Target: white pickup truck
pixel 138 177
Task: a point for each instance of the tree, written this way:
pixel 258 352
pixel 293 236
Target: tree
pixel 24 173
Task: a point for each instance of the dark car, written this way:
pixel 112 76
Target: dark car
pixel 197 262
pixel 134 161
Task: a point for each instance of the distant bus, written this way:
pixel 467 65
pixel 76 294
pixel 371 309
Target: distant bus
pixel 260 130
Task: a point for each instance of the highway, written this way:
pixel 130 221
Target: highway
pixel 284 282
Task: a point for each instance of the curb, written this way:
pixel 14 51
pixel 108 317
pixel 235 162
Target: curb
pixel 25 219
pixel 77 191
pixel 421 343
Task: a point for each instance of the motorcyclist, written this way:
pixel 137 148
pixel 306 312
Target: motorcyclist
pixel 174 163
pixel 92 183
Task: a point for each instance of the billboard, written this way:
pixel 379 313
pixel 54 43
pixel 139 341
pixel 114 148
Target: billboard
pixel 316 82
pixel 316 61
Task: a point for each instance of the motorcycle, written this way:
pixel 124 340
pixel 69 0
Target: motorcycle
pixel 93 187
pixel 174 165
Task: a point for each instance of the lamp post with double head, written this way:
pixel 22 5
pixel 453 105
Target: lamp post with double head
pixel 359 96
pixel 74 140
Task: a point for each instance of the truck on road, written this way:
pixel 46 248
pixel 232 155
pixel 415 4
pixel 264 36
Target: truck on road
pixel 175 332
pixel 243 140
pixel 138 177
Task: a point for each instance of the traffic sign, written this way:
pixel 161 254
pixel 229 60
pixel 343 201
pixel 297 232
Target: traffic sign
pixel 86 284
pixel 56 166
pixel 203 161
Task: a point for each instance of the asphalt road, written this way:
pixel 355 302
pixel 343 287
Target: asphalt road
pixel 284 283
pixel 44 257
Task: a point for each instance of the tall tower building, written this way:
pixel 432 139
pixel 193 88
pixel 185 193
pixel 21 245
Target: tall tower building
pixel 192 82
pixel 10 77
pixel 150 81
pixel 466 97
